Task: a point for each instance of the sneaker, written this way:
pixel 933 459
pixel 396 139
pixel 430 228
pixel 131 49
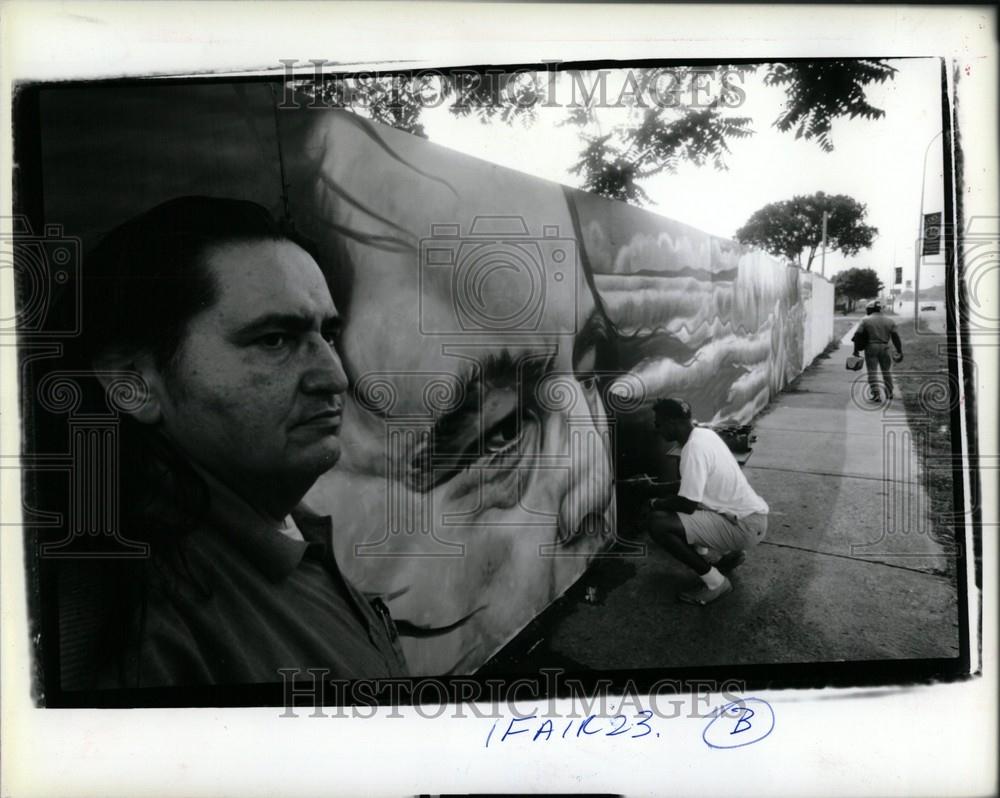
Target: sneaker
pixel 706 595
pixel 733 559
pixel 875 397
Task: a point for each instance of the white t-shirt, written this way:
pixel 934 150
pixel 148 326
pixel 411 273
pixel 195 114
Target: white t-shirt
pixel 711 476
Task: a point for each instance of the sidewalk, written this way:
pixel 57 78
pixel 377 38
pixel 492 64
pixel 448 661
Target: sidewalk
pixel 848 570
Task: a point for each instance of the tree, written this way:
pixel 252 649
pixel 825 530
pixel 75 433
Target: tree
pixel 790 227
pixel 821 91
pixel 682 123
pixel 855 284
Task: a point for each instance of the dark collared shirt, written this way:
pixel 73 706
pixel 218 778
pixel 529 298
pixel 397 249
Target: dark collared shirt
pixel 251 600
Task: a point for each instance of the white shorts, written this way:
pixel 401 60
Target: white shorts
pixel 717 531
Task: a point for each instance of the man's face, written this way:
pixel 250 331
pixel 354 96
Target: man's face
pixel 254 393
pixel 668 428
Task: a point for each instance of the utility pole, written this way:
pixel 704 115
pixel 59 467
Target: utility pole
pixel 920 236
pixel 892 281
pixel 822 262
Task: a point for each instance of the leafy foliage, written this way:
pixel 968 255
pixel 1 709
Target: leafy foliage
pixel 607 172
pixel 396 101
pixel 819 92
pixel 655 136
pixel 665 120
pixel 791 227
pixel 855 284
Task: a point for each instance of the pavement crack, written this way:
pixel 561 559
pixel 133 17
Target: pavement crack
pixel 841 474
pixel 799 430
pixel 934 574
pixel 787 392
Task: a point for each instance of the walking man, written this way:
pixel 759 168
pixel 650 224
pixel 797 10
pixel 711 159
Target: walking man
pixel 873 336
pixel 715 516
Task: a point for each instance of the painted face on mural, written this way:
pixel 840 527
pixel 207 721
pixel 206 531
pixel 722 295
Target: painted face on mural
pixel 475 480
pixel 482 456
pixel 498 430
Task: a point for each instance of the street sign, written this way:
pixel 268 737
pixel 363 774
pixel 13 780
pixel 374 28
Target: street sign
pixel 899 275
pixel 932 234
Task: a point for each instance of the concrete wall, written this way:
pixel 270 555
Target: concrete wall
pixel 819 314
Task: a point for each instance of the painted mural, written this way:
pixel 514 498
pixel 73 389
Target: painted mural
pixel 699 316
pixel 476 466
pixel 457 268
pixel 504 337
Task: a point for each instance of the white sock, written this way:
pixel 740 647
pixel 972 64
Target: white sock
pixel 713 579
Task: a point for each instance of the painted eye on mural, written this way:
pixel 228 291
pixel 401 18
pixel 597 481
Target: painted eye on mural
pixel 508 423
pixel 503 435
pixel 489 431
pixel 587 380
pixel 593 351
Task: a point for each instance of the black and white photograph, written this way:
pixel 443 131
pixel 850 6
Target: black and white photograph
pixel 380 384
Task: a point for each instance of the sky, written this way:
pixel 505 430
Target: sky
pixel 877 162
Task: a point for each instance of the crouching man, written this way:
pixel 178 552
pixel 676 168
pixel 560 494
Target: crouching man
pixel 715 516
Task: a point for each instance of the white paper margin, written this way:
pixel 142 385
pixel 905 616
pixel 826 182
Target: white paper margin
pixel 916 741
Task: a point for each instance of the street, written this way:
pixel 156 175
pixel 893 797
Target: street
pixel 935 319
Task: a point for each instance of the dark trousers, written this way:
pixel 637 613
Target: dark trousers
pixel 877 357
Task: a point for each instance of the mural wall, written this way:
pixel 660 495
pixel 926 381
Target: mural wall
pixel 490 317
pixel 699 316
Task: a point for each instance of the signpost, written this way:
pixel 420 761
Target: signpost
pixel 923 226
pixel 822 262
pixel 932 234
